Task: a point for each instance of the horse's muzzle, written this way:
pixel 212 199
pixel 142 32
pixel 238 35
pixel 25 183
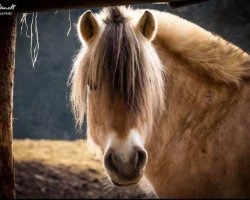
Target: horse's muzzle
pixel 125 170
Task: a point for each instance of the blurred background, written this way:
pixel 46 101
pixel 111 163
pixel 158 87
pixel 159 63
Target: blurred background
pixel 68 169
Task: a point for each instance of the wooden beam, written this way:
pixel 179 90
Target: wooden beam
pixel 177 4
pixel 49 5
pixel 7 57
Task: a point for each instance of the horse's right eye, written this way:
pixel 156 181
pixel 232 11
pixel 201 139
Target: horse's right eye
pixel 92 86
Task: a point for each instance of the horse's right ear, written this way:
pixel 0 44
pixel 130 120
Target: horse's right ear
pixel 147 25
pixel 87 26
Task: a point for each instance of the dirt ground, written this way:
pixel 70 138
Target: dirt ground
pixel 63 170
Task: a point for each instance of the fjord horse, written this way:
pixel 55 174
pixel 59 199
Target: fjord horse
pixel 166 100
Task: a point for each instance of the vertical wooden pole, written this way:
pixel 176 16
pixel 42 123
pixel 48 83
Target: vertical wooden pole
pixel 7 63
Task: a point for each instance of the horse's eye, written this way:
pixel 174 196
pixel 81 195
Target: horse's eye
pixel 92 86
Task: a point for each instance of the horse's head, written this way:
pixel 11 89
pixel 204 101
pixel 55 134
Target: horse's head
pixel 117 79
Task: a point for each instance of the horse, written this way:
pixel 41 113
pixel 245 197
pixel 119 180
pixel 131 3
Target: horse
pixel 164 100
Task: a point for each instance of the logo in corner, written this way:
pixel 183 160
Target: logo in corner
pixel 7 10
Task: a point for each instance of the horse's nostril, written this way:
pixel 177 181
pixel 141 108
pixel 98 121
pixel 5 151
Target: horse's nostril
pixel 140 159
pixel 109 162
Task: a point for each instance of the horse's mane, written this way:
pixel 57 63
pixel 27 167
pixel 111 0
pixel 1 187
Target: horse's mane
pixel 202 53
pixel 121 62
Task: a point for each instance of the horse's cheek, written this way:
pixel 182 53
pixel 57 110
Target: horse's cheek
pixel 96 135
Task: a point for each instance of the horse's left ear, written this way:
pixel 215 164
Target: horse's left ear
pixel 147 25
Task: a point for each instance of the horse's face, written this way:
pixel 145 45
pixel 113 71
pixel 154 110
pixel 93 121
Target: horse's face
pixel 124 87
pixel 120 139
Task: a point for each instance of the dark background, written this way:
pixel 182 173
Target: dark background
pixel 41 106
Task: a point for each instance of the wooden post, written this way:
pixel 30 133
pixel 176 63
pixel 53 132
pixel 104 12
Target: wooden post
pixel 7 63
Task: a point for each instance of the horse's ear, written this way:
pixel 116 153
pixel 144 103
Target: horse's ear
pixel 147 25
pixel 87 26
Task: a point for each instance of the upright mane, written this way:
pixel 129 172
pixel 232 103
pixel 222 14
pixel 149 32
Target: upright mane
pixel 120 62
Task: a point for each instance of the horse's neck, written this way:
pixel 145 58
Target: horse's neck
pixel 199 117
pixel 205 93
pixel 204 74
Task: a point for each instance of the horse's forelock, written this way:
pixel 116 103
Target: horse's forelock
pixel 122 61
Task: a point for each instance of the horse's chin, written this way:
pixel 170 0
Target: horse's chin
pixel 125 181
pixel 120 184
